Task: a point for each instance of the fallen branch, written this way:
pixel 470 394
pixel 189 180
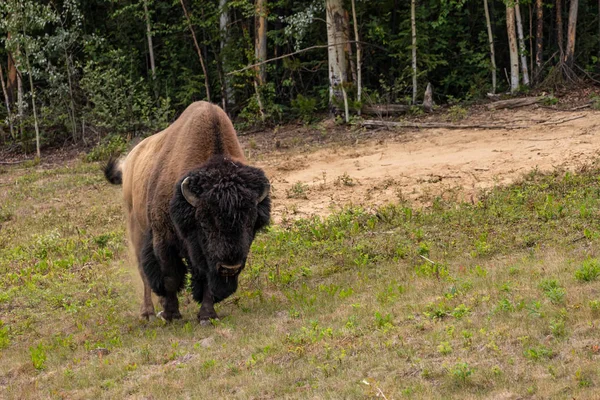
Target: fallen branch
pixel 13 162
pixel 587 105
pixel 385 109
pixel 514 103
pixel 562 121
pixel 434 125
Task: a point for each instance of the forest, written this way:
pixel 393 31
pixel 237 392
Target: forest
pixel 75 71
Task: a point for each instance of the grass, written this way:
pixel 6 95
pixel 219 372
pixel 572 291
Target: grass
pixel 487 300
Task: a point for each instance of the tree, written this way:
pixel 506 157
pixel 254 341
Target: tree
pixel 413 25
pixel 149 36
pixel 260 47
pixel 539 38
pixel 571 33
pixel 338 66
pixel 198 51
pixel 226 84
pixel 491 41
pixel 559 29
pixel 358 57
pixel 522 49
pixel 512 42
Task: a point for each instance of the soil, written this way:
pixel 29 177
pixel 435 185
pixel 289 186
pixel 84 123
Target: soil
pixel 366 168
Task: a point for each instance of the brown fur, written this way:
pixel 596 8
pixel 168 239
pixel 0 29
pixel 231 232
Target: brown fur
pixel 152 168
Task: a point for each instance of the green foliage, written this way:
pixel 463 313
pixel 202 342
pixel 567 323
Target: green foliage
pixel 38 356
pixel 109 146
pixel 305 108
pixel 588 271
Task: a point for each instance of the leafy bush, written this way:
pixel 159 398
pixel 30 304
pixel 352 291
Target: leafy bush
pixel 111 145
pixel 305 107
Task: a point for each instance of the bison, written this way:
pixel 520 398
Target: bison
pixel 192 205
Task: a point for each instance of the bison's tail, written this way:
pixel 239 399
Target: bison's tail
pixel 113 172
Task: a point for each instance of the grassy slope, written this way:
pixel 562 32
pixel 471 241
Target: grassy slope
pixel 348 307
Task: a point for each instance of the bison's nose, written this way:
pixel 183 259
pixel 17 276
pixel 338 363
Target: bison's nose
pixel 228 270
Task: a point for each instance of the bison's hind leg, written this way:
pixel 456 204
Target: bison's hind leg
pixel 165 272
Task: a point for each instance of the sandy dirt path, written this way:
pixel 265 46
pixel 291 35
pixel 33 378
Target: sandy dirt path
pixel 418 165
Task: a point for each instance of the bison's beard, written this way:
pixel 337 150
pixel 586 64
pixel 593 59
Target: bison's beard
pixel 221 286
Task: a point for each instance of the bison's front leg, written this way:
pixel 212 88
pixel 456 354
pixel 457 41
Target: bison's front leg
pixel 203 294
pixel 165 272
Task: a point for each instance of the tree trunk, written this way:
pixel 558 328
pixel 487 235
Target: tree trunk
pixel 413 25
pixel 491 40
pixel 7 103
pixel 227 88
pixel 35 119
pixel 539 39
pixel 260 47
pixel 572 30
pixel 522 49
pixel 71 97
pixel 358 57
pixel 149 36
pixel 338 66
pixel 514 52
pixel 559 28
pixel 191 28
pixel 11 83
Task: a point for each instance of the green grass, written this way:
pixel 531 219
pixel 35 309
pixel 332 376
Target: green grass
pixel 486 300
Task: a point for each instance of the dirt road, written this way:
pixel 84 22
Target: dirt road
pixel 418 165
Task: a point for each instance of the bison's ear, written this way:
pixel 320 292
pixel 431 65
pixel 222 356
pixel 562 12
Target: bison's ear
pixel 265 193
pixel 189 196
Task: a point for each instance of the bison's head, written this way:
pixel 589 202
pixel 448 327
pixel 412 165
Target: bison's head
pixel 217 210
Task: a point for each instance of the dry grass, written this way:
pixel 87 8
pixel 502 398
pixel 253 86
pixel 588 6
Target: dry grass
pixel 455 301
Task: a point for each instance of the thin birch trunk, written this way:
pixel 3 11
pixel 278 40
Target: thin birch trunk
pixel 539 38
pixel 227 89
pixel 71 97
pixel 191 28
pixel 149 37
pixel 491 40
pixel 7 102
pixel 522 49
pixel 571 33
pixel 35 119
pixel 358 58
pixel 413 25
pixel 338 66
pixel 514 52
pixel 260 47
pixel 559 29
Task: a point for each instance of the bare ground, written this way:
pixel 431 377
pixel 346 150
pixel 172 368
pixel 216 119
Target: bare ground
pixel 417 165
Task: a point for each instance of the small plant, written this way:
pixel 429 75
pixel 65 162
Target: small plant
pixel 461 372
pixel 383 321
pixel 38 356
pixel 457 113
pixel 552 290
pixel 4 339
pixel 538 353
pixel 589 270
pixel 298 191
pixel 594 306
pixel 460 311
pixel 345 180
pixel 444 348
pixel 549 101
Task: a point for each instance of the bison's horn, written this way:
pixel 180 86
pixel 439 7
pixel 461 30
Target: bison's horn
pixel 264 194
pixel 187 193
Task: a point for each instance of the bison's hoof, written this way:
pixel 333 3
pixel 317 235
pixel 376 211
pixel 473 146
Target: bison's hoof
pixel 168 317
pixel 208 322
pixel 146 315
